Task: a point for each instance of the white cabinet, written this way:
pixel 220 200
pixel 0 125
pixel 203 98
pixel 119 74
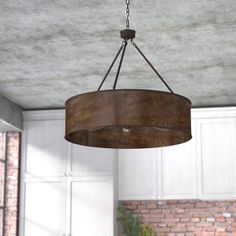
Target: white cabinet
pixel 137 174
pixel 92 207
pixel 90 161
pixel 177 176
pixel 217 157
pixel 203 168
pixel 66 190
pixel 44 148
pixel 44 208
pixel 162 173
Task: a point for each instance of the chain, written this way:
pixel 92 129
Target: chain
pixel 127 13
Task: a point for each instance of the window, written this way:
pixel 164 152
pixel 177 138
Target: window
pixel 2 179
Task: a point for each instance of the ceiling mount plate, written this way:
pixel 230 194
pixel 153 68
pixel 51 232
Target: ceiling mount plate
pixel 127 34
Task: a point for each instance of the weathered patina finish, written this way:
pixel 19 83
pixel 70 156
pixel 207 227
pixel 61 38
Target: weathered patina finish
pixel 128 118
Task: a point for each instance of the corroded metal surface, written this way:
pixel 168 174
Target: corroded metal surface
pixel 128 118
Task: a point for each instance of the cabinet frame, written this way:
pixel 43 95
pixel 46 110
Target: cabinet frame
pixel 66 176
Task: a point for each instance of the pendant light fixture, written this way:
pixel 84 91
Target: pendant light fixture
pixel 128 118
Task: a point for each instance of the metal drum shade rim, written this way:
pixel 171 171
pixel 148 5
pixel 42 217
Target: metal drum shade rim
pixel 144 90
pixel 128 118
pixel 69 139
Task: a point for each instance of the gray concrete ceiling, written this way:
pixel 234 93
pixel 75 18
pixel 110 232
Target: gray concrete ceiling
pixel 51 50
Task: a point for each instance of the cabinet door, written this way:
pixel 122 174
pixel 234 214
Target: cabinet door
pixel 92 208
pixel 217 158
pixel 44 148
pixel 177 170
pixel 137 174
pixel 91 161
pixel 44 209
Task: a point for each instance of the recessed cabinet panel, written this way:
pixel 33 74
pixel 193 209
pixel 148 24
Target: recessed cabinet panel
pixel 177 178
pixel 45 148
pixel 66 190
pixel 44 209
pixel 92 208
pixel 137 174
pixel 217 157
pixel 89 161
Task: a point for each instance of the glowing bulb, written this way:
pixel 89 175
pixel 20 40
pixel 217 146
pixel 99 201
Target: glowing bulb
pixel 126 129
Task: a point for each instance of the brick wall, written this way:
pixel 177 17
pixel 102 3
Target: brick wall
pixel 11 214
pixel 1 178
pixel 187 218
pixel 2 141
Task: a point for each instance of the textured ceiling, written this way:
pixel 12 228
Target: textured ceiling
pixel 51 50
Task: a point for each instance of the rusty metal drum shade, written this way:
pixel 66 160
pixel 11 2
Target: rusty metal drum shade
pixel 128 118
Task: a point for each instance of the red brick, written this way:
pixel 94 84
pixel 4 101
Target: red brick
pixel 232 209
pixel 220 229
pixel 204 204
pixel 189 217
pixel 170 219
pixel 179 229
pixel 220 219
pixel 156 211
pixel 210 219
pixel 162 230
pixel 205 234
pixel 131 207
pixel 13 143
pixel 151 206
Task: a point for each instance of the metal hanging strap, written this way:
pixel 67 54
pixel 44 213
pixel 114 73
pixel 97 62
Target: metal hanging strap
pixel 129 34
pixel 149 63
pixel 118 53
pixel 121 60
